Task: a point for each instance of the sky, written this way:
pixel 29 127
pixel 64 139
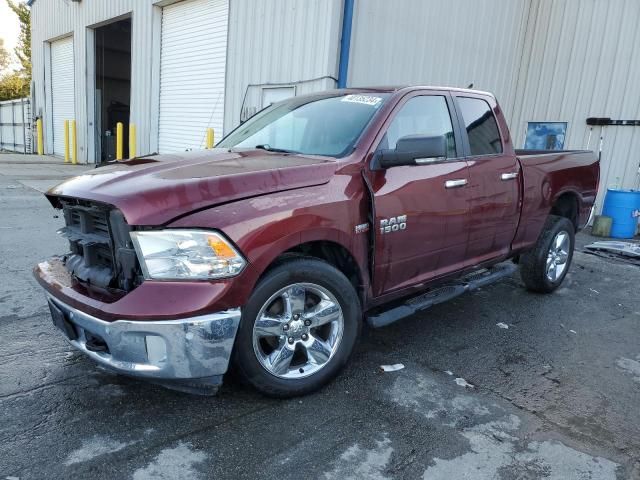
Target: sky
pixel 9 29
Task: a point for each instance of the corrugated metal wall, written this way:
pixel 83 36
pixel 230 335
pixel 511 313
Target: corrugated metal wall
pixel 546 60
pixel 582 59
pixel 288 42
pixel 51 19
pixel 431 42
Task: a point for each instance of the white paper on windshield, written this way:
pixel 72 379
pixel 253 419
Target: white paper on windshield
pixel 365 99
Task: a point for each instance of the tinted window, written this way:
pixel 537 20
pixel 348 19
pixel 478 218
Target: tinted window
pixel 482 129
pixel 424 115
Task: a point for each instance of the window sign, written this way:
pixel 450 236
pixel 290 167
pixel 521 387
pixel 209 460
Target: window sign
pixel 545 135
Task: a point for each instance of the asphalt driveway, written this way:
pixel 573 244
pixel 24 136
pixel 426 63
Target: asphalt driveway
pixel 499 383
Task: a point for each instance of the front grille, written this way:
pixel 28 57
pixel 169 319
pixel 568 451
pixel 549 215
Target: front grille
pixel 101 251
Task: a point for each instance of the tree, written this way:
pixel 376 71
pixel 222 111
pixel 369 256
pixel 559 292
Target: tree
pixel 23 50
pixel 14 85
pixel 17 84
pixel 5 57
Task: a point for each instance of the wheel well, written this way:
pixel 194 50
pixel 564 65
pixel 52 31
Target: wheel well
pixel 330 252
pixel 566 205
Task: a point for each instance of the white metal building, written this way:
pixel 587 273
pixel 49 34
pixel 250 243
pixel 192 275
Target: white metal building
pixel 174 68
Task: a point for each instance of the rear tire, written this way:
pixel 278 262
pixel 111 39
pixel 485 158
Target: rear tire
pixel 543 268
pixel 298 328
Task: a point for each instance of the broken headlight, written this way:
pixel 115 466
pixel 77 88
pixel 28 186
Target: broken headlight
pixel 186 255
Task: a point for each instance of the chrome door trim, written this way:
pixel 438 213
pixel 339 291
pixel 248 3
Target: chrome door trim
pixel 461 182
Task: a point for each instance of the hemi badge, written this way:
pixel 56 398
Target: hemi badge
pixel 362 228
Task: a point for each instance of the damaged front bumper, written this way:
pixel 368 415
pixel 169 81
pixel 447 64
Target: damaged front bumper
pixel 189 354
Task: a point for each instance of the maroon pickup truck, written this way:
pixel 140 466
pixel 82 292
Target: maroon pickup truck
pixel 318 214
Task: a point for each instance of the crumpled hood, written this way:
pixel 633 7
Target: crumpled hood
pixel 154 190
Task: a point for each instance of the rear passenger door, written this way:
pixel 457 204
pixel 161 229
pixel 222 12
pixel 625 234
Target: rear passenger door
pixel 494 173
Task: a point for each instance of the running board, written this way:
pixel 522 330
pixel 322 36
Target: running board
pixel 468 283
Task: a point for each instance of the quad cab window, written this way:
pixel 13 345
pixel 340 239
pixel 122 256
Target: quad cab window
pixel 482 129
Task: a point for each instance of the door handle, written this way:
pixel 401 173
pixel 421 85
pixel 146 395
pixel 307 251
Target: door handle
pixel 455 183
pixel 509 176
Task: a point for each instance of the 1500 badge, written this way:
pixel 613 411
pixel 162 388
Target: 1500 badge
pixel 393 224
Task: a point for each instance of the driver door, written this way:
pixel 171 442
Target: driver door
pixel 421 211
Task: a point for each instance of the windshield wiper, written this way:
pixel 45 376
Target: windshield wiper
pixel 269 148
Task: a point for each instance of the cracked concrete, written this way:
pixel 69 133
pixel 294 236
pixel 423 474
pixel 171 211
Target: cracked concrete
pixel 545 402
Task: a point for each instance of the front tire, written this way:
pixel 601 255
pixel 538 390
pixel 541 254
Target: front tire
pixel 298 328
pixel 544 267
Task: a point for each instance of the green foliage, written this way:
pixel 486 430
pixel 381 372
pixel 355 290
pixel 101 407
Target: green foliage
pixel 14 85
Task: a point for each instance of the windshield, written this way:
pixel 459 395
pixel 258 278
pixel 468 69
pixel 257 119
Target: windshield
pixel 315 126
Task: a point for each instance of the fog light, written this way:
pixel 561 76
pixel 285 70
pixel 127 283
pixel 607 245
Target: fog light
pixel 156 349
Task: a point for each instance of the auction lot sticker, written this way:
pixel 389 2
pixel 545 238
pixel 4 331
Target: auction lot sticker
pixel 366 99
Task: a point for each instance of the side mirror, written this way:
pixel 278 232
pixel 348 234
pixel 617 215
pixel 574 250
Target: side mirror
pixel 411 150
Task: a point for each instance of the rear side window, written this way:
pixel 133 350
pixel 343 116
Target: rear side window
pixel 423 115
pixel 482 129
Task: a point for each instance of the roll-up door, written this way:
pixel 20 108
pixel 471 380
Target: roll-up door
pixel 192 73
pixel 62 89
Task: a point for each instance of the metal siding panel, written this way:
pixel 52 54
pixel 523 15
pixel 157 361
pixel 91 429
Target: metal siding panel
pixel 580 63
pixel 560 60
pixel 430 42
pixel 279 42
pixel 62 89
pixel 192 73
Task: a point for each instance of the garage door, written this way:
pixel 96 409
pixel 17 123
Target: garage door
pixel 192 73
pixel 62 103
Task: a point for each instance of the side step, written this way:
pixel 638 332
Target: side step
pixel 473 281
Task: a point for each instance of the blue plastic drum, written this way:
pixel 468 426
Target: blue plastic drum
pixel 621 206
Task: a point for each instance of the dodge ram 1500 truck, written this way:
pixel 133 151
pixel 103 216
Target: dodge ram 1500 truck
pixel 318 214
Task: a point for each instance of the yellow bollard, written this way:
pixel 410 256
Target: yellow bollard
pixel 132 140
pixel 74 143
pixel 119 128
pixel 210 138
pixel 40 137
pixel 66 141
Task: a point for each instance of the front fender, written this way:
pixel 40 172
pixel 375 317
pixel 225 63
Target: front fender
pixel 265 227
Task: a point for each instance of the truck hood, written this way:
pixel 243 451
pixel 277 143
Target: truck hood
pixel 155 190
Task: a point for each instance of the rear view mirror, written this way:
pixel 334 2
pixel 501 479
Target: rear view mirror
pixel 411 150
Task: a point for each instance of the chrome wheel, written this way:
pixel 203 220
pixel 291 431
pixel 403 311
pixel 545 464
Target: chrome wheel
pixel 558 255
pixel 298 330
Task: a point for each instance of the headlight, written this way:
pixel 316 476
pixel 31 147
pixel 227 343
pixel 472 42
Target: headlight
pixel 186 255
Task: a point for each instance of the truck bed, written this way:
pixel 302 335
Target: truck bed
pixel 546 176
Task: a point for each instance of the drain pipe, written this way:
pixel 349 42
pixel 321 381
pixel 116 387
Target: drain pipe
pixel 345 43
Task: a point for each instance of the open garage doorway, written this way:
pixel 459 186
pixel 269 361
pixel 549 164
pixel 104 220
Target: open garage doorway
pixel 112 87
